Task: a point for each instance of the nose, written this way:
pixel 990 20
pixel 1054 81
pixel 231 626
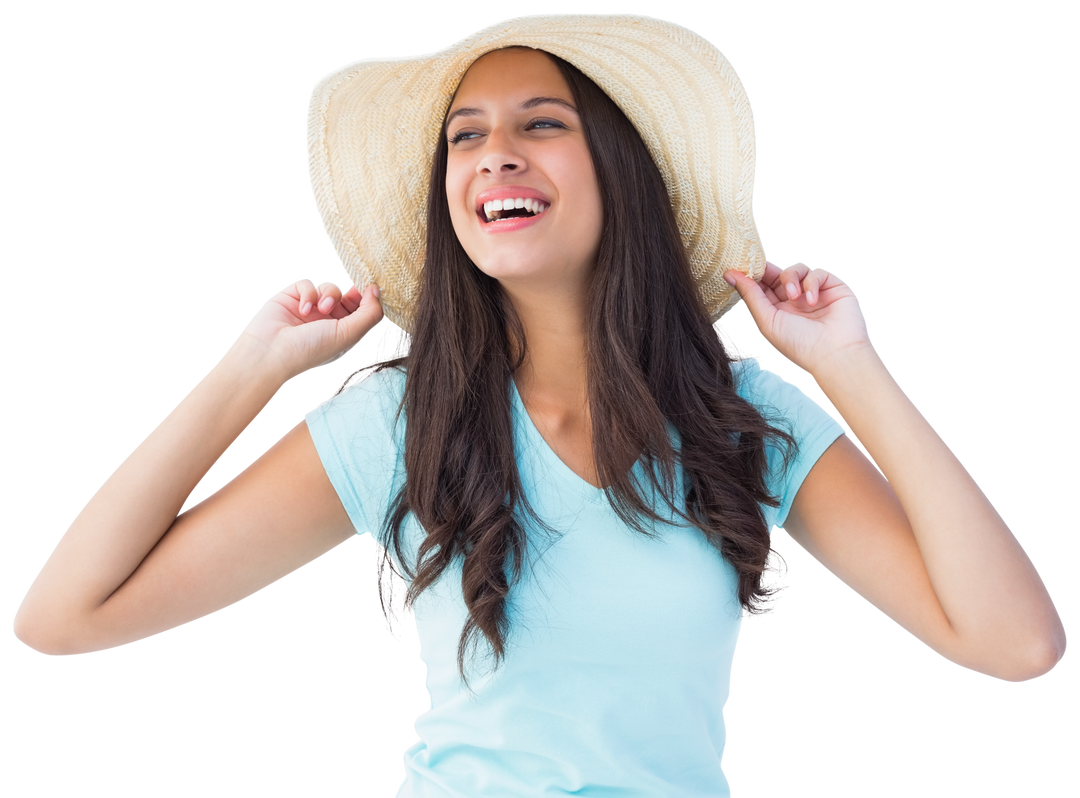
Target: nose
pixel 500 154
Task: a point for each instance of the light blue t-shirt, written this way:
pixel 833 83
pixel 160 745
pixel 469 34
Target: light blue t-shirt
pixel 620 649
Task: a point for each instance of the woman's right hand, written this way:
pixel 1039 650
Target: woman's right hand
pixel 303 326
pixel 131 565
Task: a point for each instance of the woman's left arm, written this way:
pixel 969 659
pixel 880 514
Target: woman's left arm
pixel 921 543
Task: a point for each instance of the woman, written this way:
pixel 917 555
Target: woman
pixel 563 356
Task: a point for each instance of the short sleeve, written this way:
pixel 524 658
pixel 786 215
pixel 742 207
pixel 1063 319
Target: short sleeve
pixel 361 444
pixel 785 406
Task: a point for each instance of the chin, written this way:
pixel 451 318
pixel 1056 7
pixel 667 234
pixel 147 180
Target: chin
pixel 511 269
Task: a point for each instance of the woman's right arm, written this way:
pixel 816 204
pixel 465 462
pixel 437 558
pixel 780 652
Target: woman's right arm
pixel 129 566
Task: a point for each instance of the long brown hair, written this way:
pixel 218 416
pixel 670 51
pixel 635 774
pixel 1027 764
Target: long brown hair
pixel 652 357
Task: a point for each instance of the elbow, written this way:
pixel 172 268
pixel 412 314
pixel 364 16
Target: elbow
pixel 1043 659
pixel 1029 669
pixel 42 651
pixel 1012 656
pixel 44 637
pixel 1046 652
pixel 43 646
pixel 32 643
pixel 1050 657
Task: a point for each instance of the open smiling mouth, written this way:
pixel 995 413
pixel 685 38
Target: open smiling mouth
pixel 513 208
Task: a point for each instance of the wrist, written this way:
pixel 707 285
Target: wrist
pixel 251 361
pixel 847 365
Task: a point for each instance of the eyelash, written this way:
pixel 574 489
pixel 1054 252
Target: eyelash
pixel 458 137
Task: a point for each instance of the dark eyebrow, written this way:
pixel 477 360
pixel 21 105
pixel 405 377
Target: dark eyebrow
pixel 525 106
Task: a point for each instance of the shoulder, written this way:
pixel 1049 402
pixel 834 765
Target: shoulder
pixel 787 406
pixel 779 401
pixel 359 436
pixel 382 389
pixel 371 402
pixel 754 382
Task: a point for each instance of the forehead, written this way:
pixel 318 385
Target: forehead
pixel 512 74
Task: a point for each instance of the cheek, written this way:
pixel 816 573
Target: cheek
pixel 457 184
pixel 452 182
pixel 462 217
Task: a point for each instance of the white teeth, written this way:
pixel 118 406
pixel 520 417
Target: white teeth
pixel 534 206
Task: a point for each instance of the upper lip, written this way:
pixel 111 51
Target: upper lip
pixel 507 192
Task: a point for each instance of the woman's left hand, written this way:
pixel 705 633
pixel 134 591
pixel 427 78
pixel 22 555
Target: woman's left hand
pixel 810 316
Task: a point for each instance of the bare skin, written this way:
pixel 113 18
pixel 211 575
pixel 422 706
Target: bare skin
pixel 935 562
pixel 512 123
pixel 921 542
pixel 129 567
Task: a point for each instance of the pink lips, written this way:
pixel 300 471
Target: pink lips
pixel 508 225
pixel 508 192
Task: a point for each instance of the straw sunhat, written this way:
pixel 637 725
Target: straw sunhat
pixel 374 126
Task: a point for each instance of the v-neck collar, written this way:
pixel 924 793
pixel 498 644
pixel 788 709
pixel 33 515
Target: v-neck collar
pixel 587 489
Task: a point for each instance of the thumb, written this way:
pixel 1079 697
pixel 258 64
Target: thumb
pixel 358 323
pixel 756 302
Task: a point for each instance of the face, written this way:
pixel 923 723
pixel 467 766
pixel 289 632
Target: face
pixel 515 140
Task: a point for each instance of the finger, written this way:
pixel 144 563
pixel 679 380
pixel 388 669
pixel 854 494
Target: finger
pixel 368 314
pixel 772 271
pixel 770 283
pixel 813 283
pixel 329 296
pixel 350 300
pixel 761 308
pixel 790 280
pixel 347 305
pixel 307 294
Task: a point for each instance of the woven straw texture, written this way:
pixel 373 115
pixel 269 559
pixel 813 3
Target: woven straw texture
pixel 374 126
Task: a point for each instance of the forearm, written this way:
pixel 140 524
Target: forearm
pixel 137 505
pixel 988 589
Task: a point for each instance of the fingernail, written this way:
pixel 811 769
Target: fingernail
pixel 375 291
pixel 810 296
pixel 305 309
pixel 792 290
pixel 326 303
pixel 730 278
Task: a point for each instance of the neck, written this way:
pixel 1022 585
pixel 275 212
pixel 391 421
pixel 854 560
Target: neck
pixel 552 378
